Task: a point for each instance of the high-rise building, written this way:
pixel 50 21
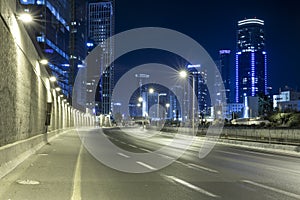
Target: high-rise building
pixel 77 45
pixel 224 68
pixel 100 18
pixel 251 59
pixel 50 34
pixel 201 90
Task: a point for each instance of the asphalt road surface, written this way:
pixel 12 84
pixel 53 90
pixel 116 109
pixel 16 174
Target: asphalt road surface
pixel 86 164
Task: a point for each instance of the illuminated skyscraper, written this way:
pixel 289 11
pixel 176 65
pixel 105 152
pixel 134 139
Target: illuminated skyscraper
pixel 251 59
pixel 101 27
pixel 50 34
pixel 224 68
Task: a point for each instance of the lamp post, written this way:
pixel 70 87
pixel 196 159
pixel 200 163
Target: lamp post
pixel 158 95
pixel 185 74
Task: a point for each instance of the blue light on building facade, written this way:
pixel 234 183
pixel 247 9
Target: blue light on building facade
pixel 51 33
pixel 251 59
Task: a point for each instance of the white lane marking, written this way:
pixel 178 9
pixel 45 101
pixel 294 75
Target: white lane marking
pixel 147 150
pixel 179 162
pixel 146 165
pixel 272 189
pixel 231 153
pixel 28 182
pixel 123 155
pixel 191 186
pixel 203 168
pixel 165 156
pixel 77 177
pixel 132 146
pixel 43 154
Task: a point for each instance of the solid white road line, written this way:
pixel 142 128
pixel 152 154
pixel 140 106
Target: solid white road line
pixel 123 155
pixel 296 196
pixel 77 177
pixel 202 168
pixel 146 165
pixel 191 186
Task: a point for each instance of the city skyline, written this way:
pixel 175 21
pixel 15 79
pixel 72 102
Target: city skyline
pixel 213 24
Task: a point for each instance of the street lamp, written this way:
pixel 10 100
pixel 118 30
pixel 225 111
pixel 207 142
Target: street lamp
pixel 151 91
pixel 25 17
pixel 58 89
pixel 44 62
pixel 140 99
pixel 158 95
pixel 52 79
pixel 184 74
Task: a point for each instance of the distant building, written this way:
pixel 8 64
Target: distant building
pixel 100 18
pixel 233 109
pixel 286 100
pixel 77 44
pixel 289 106
pixel 224 68
pixel 201 90
pixel 251 60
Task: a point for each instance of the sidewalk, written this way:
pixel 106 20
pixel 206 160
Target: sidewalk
pixel 47 174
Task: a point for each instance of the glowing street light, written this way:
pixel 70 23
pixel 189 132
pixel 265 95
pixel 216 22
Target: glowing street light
pixel 25 17
pixel 167 105
pixel 44 62
pixel 140 99
pixel 57 89
pixel 151 90
pixel 52 78
pixel 183 74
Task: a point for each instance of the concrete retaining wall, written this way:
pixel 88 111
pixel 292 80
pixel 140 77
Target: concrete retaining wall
pixel 25 90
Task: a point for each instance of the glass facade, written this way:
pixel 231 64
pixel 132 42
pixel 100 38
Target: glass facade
pixel 224 68
pixel 50 31
pixel 251 59
pixel 100 28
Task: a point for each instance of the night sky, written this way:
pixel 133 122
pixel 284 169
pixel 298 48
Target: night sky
pixel 213 24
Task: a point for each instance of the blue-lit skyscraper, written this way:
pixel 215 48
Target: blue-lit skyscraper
pixel 251 59
pixel 100 18
pixel 50 33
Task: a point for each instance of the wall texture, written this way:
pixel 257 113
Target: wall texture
pixel 24 85
pixel 25 90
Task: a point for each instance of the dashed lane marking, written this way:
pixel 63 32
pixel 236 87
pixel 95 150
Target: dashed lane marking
pixel 191 186
pixel 146 165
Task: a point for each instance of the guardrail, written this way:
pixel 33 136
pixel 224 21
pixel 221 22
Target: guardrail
pixel 272 135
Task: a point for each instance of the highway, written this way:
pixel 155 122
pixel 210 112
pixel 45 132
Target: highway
pixel 84 164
